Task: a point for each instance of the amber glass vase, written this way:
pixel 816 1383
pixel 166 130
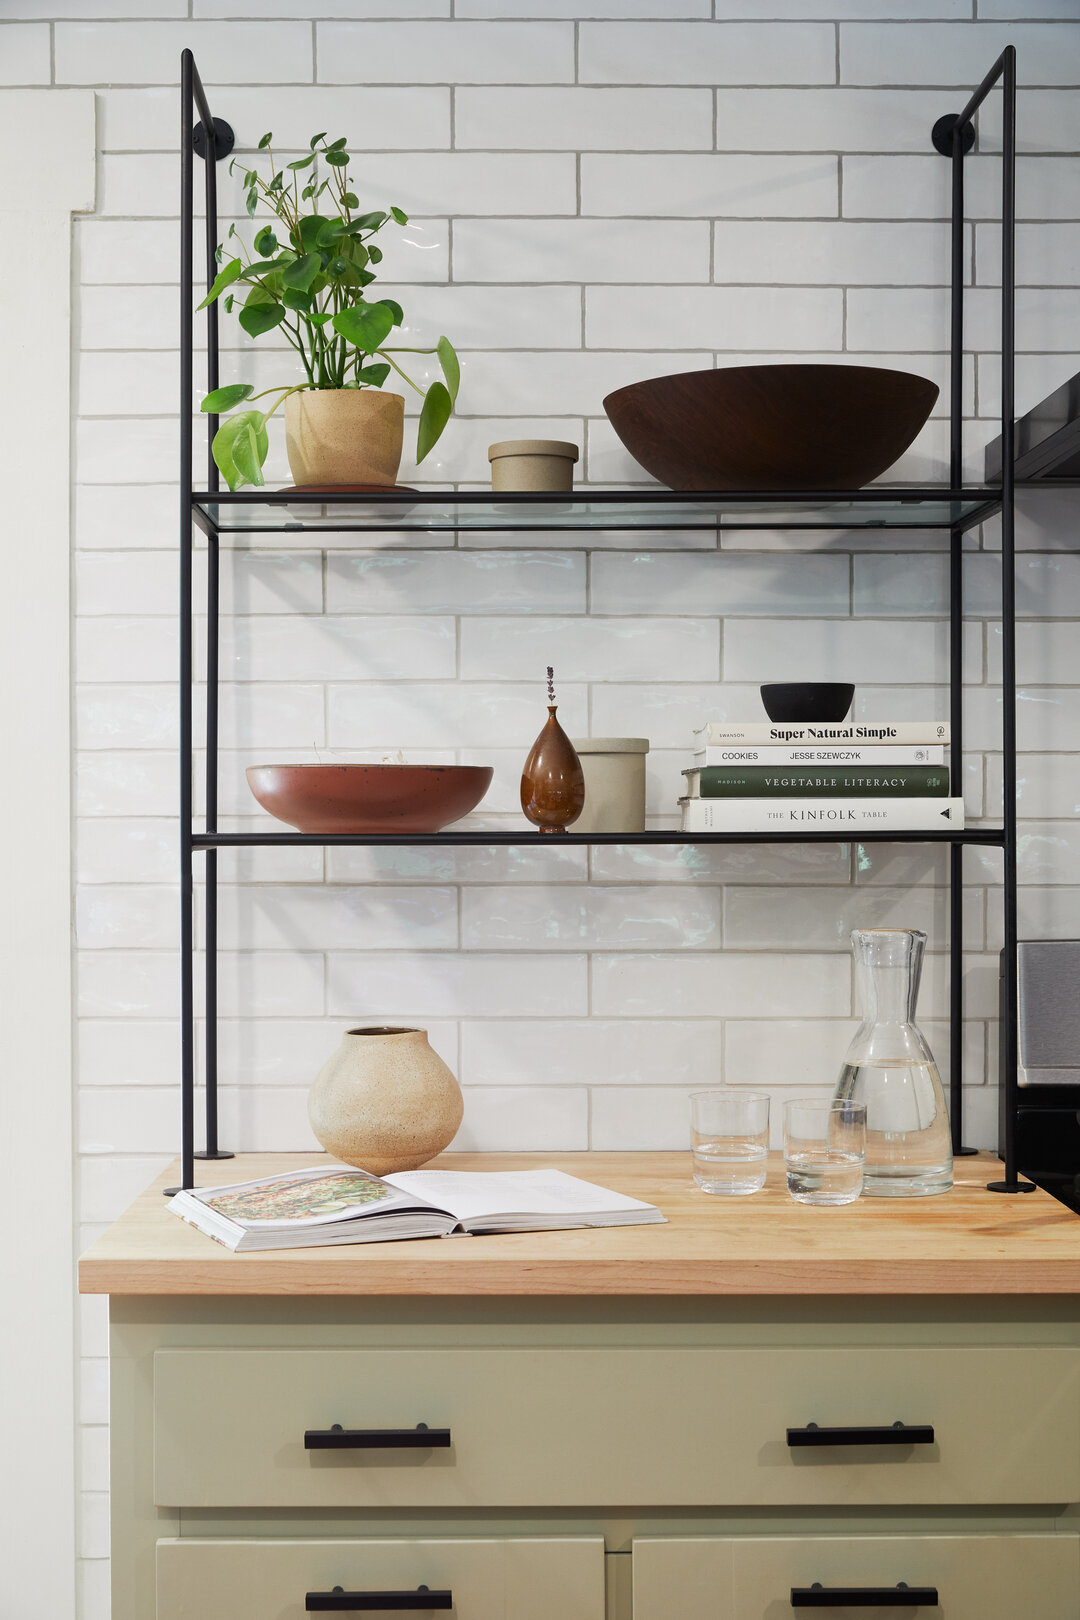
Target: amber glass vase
pixel 552 783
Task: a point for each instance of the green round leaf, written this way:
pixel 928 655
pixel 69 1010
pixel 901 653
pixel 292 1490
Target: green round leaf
pixel 302 163
pixel 223 399
pixel 302 272
pixel 224 278
pixel 259 318
pixel 367 326
pixel 339 160
pixel 400 215
pixel 309 227
pixel 336 146
pixel 373 376
pixel 450 366
pixel 433 418
pixel 239 448
pixel 265 142
pixel 315 139
pixel 395 309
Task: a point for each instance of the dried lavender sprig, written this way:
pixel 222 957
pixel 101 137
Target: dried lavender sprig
pixel 551 684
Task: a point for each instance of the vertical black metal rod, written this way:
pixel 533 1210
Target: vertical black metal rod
pixel 213 571
pixel 1008 605
pixel 956 347
pixel 213 580
pixel 187 965
pixel 956 647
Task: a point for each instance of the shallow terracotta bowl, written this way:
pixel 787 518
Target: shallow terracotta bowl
pixel 369 798
pixel 772 427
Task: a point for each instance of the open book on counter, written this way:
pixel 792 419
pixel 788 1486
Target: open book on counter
pixel 303 1208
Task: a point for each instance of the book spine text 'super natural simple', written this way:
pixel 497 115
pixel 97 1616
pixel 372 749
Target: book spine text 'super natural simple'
pixel 882 734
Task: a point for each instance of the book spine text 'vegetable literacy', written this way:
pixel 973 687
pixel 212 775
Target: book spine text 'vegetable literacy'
pixel 854 782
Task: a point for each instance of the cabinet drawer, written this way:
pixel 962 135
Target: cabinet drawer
pixel 747 1578
pixel 498 1579
pixel 604 1427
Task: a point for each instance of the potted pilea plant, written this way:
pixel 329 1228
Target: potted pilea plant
pixel 308 276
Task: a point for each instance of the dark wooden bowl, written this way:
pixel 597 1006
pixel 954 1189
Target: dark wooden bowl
pixel 788 427
pixel 369 798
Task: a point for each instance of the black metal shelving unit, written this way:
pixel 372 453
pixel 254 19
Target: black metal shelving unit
pixel 952 508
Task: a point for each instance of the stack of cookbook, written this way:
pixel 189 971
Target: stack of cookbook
pixel 772 776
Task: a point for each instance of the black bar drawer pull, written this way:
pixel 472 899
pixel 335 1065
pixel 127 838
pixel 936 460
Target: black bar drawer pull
pixel 340 1601
pixel 900 1596
pixel 339 1439
pixel 896 1434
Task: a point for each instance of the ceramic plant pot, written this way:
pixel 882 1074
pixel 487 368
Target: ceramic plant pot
pixel 344 436
pixel 385 1101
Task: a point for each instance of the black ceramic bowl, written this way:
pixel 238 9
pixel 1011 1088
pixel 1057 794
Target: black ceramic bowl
pixel 806 701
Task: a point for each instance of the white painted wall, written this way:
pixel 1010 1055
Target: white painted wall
pixel 37 1393
pixel 600 192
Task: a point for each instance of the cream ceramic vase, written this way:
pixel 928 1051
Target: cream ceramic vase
pixel 344 436
pixel 385 1101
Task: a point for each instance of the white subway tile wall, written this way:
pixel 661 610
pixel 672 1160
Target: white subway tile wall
pixel 601 192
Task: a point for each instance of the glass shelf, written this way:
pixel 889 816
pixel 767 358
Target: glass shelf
pixel 487 837
pixel 480 511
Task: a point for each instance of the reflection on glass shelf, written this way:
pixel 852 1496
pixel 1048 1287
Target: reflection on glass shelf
pixel 279 511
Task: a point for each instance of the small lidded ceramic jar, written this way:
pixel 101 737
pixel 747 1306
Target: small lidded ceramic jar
pixel 614 770
pixel 521 465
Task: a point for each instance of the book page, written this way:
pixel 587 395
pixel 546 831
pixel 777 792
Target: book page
pixel 473 1194
pixel 305 1198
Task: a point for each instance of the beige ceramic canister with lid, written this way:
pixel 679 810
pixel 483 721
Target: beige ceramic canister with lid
pixel 537 465
pixel 614 770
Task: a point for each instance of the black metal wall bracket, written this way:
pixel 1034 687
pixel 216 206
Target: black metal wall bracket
pixel 942 135
pixel 224 139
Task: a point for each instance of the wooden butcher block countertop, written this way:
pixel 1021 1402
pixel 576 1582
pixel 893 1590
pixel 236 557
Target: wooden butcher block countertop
pixel 967 1241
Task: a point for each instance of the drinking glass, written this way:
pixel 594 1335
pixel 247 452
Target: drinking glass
pixel 824 1151
pixel 730 1138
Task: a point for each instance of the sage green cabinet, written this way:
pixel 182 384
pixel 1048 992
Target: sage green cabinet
pixel 980 1577
pixel 612 1459
pixel 505 1578
pixel 672 1426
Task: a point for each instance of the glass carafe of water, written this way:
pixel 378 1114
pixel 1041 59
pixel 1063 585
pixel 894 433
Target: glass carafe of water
pixel 891 1069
